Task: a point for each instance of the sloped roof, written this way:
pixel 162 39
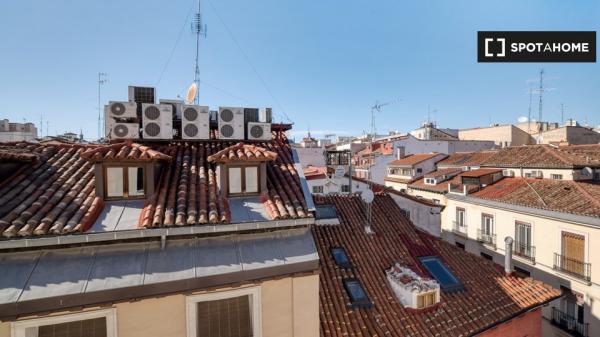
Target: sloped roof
pixel 466 158
pixel 124 151
pixel 576 197
pixel 489 296
pixel 242 152
pixel 546 156
pixel 480 172
pixel 414 159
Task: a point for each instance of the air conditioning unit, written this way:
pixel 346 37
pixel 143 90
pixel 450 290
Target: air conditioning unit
pixel 195 121
pixel 142 94
pixel 116 130
pixel 177 105
pixel 120 110
pixel 259 131
pixel 265 115
pixel 231 123
pixel 157 121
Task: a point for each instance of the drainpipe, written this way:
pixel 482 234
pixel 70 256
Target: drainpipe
pixel 508 241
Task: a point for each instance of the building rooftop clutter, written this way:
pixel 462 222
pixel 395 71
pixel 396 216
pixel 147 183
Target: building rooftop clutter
pixel 489 297
pixel 55 194
pixel 411 160
pixel 576 197
pixel 546 156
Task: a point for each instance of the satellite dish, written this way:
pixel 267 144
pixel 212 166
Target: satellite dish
pixel 523 119
pixel 587 171
pixel 367 196
pixel 191 93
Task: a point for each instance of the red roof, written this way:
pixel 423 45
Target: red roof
pixel 414 159
pixel 546 156
pixel 314 172
pixel 577 197
pixel 466 158
pixel 489 297
pixel 56 195
pixel 480 172
pixel 242 152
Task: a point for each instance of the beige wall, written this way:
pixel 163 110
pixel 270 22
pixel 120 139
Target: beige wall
pixel 572 134
pixel 290 307
pixel 428 195
pixel 502 135
pixel 546 234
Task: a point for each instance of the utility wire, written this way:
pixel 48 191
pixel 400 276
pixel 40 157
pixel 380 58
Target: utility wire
pixel 263 82
pixel 176 43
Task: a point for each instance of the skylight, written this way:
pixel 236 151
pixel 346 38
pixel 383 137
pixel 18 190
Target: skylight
pixel 340 257
pixel 326 212
pixel 358 295
pixel 442 274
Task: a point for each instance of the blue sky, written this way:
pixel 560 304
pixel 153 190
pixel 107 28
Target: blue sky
pixel 324 62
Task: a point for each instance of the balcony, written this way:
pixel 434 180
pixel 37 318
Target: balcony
pixel 485 238
pixel 569 323
pixel 524 250
pixel 460 229
pixel 573 267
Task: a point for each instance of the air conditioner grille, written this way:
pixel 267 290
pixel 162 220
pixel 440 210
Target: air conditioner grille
pixel 152 129
pixel 190 114
pixel 190 130
pixel 226 131
pixel 226 115
pixel 121 130
pixel 117 109
pixel 256 131
pixel 152 112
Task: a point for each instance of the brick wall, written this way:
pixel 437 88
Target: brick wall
pixel 526 325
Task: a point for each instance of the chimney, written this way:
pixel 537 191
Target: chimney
pixel 400 152
pixel 508 241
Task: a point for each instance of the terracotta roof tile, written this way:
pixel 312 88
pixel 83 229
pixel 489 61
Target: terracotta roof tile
pixel 123 152
pixel 242 152
pixel 546 156
pixel 480 172
pixel 414 159
pixel 466 158
pixel 489 296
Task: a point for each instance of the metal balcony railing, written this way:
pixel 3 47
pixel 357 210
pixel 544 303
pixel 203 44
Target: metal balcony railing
pixel 569 323
pixel 573 267
pixel 458 228
pixel 486 238
pixel 524 250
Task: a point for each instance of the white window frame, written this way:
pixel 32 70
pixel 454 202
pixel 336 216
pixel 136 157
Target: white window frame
pixel 18 328
pixel 191 309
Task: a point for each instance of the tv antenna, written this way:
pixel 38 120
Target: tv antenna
pixel 102 80
pixel 199 29
pixel 377 108
pixel 562 114
pixel 541 93
pixel 529 113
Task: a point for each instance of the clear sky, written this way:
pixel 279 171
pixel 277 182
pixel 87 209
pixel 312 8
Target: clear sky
pixel 323 63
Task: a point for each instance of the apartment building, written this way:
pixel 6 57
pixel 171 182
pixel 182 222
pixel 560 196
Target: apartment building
pixel 429 131
pixel 394 280
pixel 406 170
pixel 554 226
pixel 17 132
pixel 568 135
pixel 188 238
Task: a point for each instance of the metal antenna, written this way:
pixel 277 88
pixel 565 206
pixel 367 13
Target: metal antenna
pixel 102 79
pixel 529 115
pixel 562 114
pixel 541 93
pixel 200 30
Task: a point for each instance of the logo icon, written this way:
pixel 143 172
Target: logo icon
pixel 502 53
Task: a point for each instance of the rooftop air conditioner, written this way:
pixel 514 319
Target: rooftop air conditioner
pixel 120 110
pixel 116 130
pixel 195 121
pixel 177 105
pixel 142 94
pixel 259 131
pixel 157 121
pixel 231 123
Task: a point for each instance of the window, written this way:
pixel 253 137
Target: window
pixel 522 273
pixel 426 300
pixel 233 313
pixel 340 257
pixel 487 224
pixel 430 181
pixel 556 176
pixel 460 217
pixel 419 170
pixel 522 244
pixel 124 182
pixel 406 172
pixel 487 256
pixel 327 211
pixel 100 323
pixel 243 180
pixel 345 188
pixel 573 252
pixel 317 189
pixel 405 212
pixel 460 245
pixel 436 268
pixel 358 295
pixel 436 201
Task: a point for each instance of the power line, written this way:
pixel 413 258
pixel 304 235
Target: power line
pixel 263 82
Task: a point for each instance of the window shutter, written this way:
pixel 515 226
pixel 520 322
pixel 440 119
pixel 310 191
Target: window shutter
pixel 228 317
pixel 573 246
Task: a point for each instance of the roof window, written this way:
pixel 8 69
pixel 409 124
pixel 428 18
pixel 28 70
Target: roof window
pixel 442 274
pixel 358 295
pixel 340 257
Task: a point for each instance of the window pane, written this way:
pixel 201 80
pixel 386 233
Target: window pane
pixel 114 181
pixel 95 327
pixel 136 181
pixel 229 317
pixel 251 179
pixel 235 180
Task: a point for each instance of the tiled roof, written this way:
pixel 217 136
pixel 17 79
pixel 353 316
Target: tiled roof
pixel 466 158
pixel 441 172
pixel 123 152
pixel 480 172
pixel 576 197
pixel 440 187
pixel 489 296
pixel 18 152
pixel 398 180
pixel 53 195
pixel 546 156
pixel 242 152
pixel 314 172
pixel 382 188
pixel 56 193
pixel 413 159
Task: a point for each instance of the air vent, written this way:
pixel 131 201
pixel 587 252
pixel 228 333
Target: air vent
pixel 259 131
pixel 226 115
pixel 117 109
pixel 115 130
pixel 190 114
pixel 152 129
pixel 120 110
pixel 121 130
pixel 226 131
pixel 152 112
pixel 190 130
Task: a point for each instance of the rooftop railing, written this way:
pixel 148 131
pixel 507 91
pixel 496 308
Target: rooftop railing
pixel 486 238
pixel 573 267
pixel 524 250
pixel 459 228
pixel 569 323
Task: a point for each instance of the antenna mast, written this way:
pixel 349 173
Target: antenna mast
pixel 541 92
pixel 102 79
pixel 529 115
pixel 562 114
pixel 200 30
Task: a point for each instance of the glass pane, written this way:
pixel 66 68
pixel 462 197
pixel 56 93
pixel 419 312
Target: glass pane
pixel 235 180
pixel 251 179
pixel 227 317
pixel 136 181
pixel 95 327
pixel 114 181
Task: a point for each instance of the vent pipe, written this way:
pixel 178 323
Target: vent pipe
pixel 508 241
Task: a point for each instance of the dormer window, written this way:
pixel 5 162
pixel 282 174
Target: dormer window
pixel 124 182
pixel 243 180
pixel 430 181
